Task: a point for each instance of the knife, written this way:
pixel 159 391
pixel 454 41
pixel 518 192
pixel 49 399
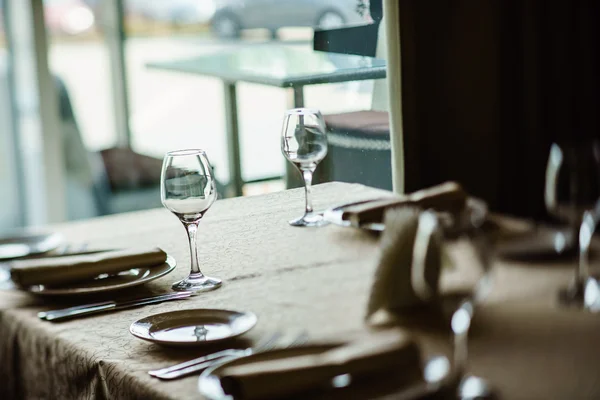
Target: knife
pixel 96 308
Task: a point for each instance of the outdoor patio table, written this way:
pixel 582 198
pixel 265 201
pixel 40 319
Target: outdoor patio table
pixel 279 66
pixel 295 279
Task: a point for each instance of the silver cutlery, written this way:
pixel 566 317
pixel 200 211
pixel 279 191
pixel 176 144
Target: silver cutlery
pixel 89 309
pixel 202 363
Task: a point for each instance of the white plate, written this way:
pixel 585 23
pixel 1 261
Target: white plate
pixel 437 371
pixel 209 383
pixel 28 244
pixel 335 215
pixel 106 283
pixel 195 327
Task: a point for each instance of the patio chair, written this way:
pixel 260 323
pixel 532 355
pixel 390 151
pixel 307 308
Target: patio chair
pixel 359 141
pixel 105 182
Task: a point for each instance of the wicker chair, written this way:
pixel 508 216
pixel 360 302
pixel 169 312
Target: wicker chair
pixel 359 141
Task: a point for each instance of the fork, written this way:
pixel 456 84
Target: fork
pixel 200 364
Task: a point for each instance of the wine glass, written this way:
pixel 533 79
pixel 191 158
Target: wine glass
pixel 188 190
pixel 304 144
pixel 464 241
pixel 572 189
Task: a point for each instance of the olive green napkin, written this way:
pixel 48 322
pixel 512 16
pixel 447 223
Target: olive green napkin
pixel 449 197
pixel 54 271
pixel 378 353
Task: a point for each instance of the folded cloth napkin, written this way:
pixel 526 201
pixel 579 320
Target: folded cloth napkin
pixel 61 270
pixel 448 196
pixel 406 275
pixel 379 353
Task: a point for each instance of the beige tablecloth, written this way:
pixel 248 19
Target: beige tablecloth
pixel 295 279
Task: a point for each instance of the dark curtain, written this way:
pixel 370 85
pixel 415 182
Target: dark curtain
pixel 488 85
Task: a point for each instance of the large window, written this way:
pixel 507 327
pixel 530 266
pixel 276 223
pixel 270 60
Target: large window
pixel 101 57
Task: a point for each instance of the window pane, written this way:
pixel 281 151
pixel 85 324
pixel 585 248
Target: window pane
pixel 79 62
pixel 78 57
pixel 9 210
pixel 171 110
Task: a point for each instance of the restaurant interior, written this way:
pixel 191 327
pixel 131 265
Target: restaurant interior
pixel 299 199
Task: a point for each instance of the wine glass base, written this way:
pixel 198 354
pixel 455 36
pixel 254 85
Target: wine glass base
pixel 5 282
pixel 197 284
pixel 309 220
pixel 474 388
pixel 582 295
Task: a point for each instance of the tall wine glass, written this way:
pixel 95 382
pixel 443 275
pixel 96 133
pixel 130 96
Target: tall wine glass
pixel 572 188
pixel 304 144
pixel 465 242
pixel 188 190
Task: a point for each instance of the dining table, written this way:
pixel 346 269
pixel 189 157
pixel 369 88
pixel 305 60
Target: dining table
pixel 287 67
pixel 312 280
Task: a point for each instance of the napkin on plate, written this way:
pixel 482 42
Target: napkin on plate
pixel 66 269
pixel 400 280
pixel 379 353
pixel 448 196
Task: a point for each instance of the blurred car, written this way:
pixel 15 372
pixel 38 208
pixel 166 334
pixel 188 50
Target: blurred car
pixel 71 17
pixel 174 12
pixel 232 16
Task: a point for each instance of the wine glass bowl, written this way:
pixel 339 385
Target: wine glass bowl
pixel 304 144
pixel 304 140
pixel 188 190
pixel 572 181
pixel 572 189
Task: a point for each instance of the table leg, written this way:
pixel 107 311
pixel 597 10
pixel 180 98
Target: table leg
pixel 234 187
pixel 298 96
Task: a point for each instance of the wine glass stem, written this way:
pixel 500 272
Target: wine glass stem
pixel 581 268
pixel 307 174
pixel 192 229
pixel 460 351
pixel 461 323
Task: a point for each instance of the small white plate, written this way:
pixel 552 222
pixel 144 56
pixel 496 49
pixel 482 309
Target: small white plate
pixel 193 327
pixel 28 244
pixel 107 283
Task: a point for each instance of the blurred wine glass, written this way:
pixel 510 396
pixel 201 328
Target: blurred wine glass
pixel 572 189
pixel 304 144
pixel 468 246
pixel 188 190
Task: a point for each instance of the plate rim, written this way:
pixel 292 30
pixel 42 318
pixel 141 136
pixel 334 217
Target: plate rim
pixel 55 239
pixel 154 340
pixel 170 261
pixel 208 377
pixel 334 215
